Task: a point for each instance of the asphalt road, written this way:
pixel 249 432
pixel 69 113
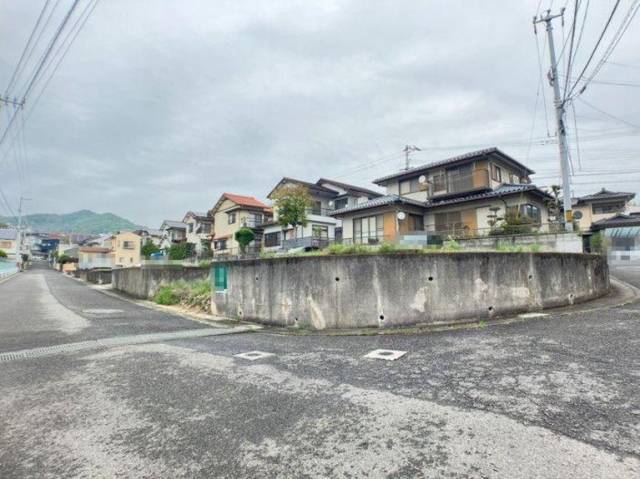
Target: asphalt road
pixel 557 396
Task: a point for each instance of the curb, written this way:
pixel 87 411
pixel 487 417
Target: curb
pixel 201 318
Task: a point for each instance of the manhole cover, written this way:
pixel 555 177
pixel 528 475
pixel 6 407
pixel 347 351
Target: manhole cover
pixel 386 354
pixel 102 311
pixel 254 355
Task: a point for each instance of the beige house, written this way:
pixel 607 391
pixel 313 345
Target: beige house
pixel 600 206
pixel 231 213
pixel 125 249
pixel 8 238
pixel 458 197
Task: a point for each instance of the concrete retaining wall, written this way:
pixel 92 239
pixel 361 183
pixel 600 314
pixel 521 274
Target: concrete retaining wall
pixel 144 282
pixel 405 289
pixel 558 242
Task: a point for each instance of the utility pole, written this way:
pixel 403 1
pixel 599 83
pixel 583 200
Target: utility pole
pixel 560 115
pixel 408 149
pixel 19 234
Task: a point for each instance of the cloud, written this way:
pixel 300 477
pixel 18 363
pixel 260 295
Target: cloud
pixel 159 109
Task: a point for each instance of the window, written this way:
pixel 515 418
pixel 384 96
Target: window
pixel 316 209
pixel 439 182
pixel 128 245
pixel 525 211
pixel 496 173
pixel 190 227
pixel 272 239
pixel 514 179
pixel 320 231
pixel 231 218
pixel 409 186
pixel 416 222
pixel 605 208
pixel 449 222
pixel 341 203
pixel 220 278
pixel 368 230
pixel 206 228
pixel 220 244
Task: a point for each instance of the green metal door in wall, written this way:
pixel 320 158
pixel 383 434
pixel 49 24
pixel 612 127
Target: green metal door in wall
pixel 220 278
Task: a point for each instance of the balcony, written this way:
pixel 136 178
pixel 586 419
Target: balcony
pixel 455 183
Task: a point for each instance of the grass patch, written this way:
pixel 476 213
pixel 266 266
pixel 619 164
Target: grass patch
pixel 196 294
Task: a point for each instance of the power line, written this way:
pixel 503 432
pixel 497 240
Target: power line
pixel 614 42
pixel 593 107
pixel 573 34
pixel 26 48
pixel 595 48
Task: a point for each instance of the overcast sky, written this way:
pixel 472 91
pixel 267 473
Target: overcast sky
pixel 160 106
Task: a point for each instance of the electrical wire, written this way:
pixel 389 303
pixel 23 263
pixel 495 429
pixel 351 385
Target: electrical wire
pixel 595 49
pixel 609 115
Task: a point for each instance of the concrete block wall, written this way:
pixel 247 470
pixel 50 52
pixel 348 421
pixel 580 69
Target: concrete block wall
pixel 405 289
pixel 558 242
pixel 145 281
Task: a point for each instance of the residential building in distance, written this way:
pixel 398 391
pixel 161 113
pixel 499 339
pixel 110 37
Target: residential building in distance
pixel 147 233
pixel 8 241
pixel 90 257
pixel 125 248
pixel 321 228
pixel 230 213
pixel 173 232
pixel 199 228
pixel 604 204
pixel 456 197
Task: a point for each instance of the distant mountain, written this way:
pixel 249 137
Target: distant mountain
pixel 84 221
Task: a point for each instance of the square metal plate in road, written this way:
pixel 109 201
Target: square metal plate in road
pixel 386 354
pixel 254 355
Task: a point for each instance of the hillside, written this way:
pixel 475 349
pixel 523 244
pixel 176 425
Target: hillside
pixel 84 221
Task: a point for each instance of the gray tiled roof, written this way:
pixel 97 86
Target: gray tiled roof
pixel 376 202
pixel 603 195
pixel 174 224
pixel 455 159
pixel 504 190
pixel 8 234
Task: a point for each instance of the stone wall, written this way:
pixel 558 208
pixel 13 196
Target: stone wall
pixel 405 289
pixel 145 281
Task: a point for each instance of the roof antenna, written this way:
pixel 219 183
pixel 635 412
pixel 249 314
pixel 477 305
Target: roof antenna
pixel 408 149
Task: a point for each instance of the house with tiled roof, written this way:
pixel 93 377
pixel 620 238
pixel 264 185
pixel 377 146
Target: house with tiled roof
pixel 173 232
pixel 321 228
pixel 458 196
pixel 593 208
pixel 230 213
pixel 199 230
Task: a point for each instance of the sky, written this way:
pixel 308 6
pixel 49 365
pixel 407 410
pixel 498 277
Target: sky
pixel 161 106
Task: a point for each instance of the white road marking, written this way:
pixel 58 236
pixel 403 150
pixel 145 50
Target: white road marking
pixel 386 354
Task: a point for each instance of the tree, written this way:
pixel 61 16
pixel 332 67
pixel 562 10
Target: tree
pixel 3 254
pixel 63 259
pixel 554 205
pixel 244 236
pixel 292 203
pixel 149 248
pixel 180 251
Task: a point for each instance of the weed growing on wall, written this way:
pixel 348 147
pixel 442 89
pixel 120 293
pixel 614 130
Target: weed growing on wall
pixel 196 294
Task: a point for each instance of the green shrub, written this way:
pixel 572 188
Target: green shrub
pixel 535 248
pixel 149 248
pixel 167 296
pixel 451 245
pixel 180 251
pixel 386 248
pixel 3 254
pixel 267 254
pixel 336 249
pixel 244 236
pixel 596 243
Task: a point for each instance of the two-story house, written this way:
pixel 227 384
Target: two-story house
pixel 125 249
pixel 173 232
pixel 232 212
pixel 8 241
pixel 321 228
pixel 459 196
pixel 599 206
pixel 199 230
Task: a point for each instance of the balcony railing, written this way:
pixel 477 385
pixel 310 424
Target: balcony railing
pixel 459 183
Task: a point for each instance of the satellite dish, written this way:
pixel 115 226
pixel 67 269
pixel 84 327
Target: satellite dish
pixel 577 215
pixel 401 215
pixel 422 180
